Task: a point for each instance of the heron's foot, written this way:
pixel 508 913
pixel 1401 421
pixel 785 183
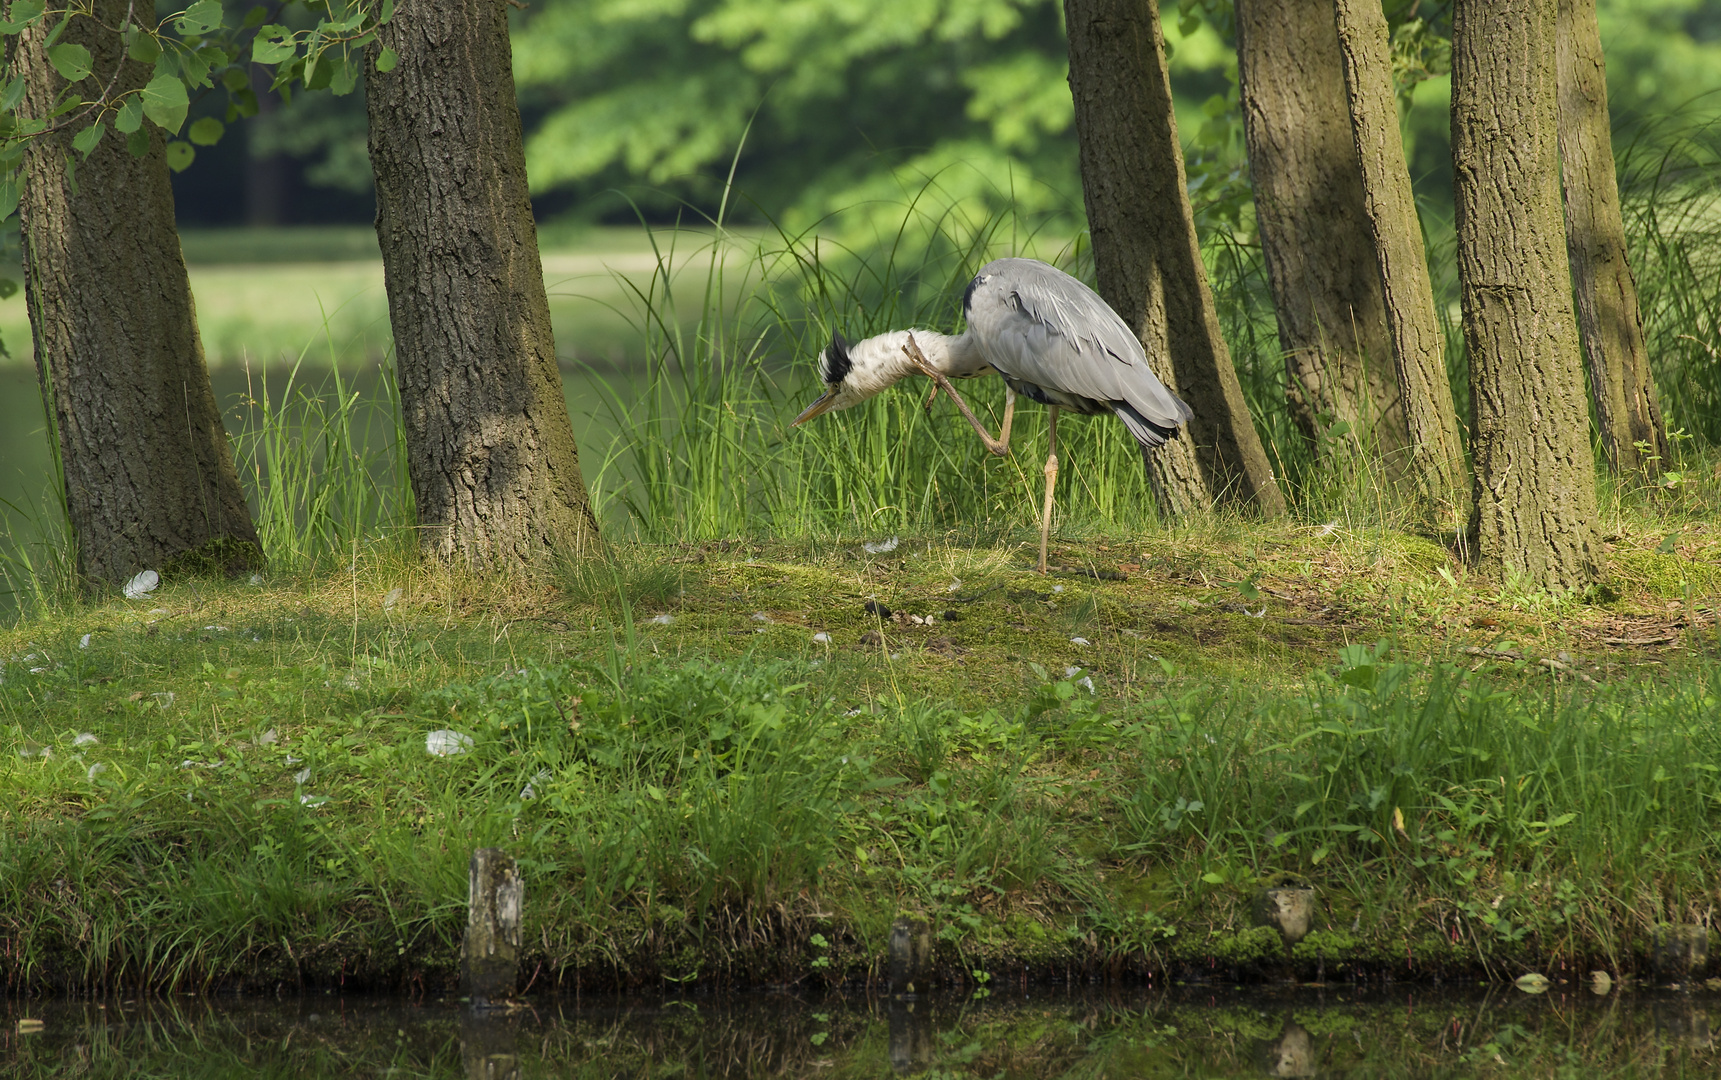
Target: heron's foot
pixel 918 359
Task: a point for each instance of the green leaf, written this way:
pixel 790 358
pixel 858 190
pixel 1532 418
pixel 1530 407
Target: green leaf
pixel 180 155
pixel 8 288
pixel 1670 545
pixel 254 18
pixel 386 60
pixel 273 44
pixel 144 49
pixel 321 72
pixel 24 12
pixel 13 95
pixel 200 18
pixel 131 115
pixel 85 141
pixel 387 12
pixel 345 77
pixel 195 68
pixel 245 102
pixel 207 131
pixel 137 143
pixel 71 60
pixel 8 197
pixel 1213 879
pixel 165 102
pixel 235 79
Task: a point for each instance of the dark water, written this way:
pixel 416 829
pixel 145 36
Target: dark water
pixel 1296 1031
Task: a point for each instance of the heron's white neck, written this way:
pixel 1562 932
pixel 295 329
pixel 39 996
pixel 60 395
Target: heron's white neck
pixel 879 361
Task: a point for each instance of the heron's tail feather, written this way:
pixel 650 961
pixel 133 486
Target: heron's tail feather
pixel 1146 432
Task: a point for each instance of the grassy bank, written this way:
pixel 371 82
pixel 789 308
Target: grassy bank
pixel 227 784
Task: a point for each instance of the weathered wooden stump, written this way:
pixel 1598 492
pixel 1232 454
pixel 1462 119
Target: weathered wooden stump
pixel 1291 1054
pixel 1681 949
pixel 489 1046
pixel 911 1041
pixel 490 956
pixel 910 954
pixel 1288 908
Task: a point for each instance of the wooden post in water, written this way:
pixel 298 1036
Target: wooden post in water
pixel 490 956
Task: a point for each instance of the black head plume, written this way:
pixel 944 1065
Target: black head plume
pixel 834 362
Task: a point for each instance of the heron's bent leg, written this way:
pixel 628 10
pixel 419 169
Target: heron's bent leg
pixel 997 446
pixel 1051 481
pixel 1009 414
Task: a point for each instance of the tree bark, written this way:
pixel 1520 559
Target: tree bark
pixel 149 475
pixel 1145 250
pixel 1610 326
pixel 1314 231
pixel 1435 464
pixel 1535 475
pixel 491 452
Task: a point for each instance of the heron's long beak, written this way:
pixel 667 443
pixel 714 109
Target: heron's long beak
pixel 822 405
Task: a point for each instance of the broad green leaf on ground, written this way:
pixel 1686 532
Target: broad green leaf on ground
pixel 71 60
pixel 206 131
pixel 165 102
pixel 180 155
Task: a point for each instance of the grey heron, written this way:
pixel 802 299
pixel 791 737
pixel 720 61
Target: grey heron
pixel 1052 339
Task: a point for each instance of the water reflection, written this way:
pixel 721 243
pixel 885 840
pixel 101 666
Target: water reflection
pixel 1265 1032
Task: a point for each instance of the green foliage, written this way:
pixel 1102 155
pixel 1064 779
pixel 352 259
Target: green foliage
pixel 838 104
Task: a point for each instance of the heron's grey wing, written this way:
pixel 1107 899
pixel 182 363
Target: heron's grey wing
pixel 1039 325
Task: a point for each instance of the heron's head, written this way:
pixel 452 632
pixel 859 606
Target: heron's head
pixel 836 368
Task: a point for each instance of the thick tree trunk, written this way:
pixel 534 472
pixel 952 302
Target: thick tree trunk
pixel 1535 475
pixel 1314 231
pixel 1145 250
pixel 1627 409
pixel 1435 465
pixel 490 449
pixel 149 475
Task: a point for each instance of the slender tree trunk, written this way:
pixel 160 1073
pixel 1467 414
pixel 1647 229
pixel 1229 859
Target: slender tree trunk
pixel 1627 409
pixel 1314 231
pixel 149 475
pixel 1145 249
pixel 1436 459
pixel 490 449
pixel 1535 475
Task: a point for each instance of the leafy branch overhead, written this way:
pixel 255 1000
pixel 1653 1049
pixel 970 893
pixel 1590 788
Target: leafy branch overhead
pixel 192 52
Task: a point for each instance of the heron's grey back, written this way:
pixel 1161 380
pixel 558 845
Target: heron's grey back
pixel 1040 326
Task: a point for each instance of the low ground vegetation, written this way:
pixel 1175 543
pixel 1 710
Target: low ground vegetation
pixel 737 762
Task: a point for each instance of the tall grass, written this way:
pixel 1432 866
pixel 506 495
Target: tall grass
pixel 324 465
pixel 1673 219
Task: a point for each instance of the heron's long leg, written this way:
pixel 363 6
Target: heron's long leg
pixel 1051 480
pixel 997 446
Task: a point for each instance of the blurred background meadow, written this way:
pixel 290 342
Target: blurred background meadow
pixel 721 184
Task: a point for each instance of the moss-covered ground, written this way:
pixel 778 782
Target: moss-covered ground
pixel 737 763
